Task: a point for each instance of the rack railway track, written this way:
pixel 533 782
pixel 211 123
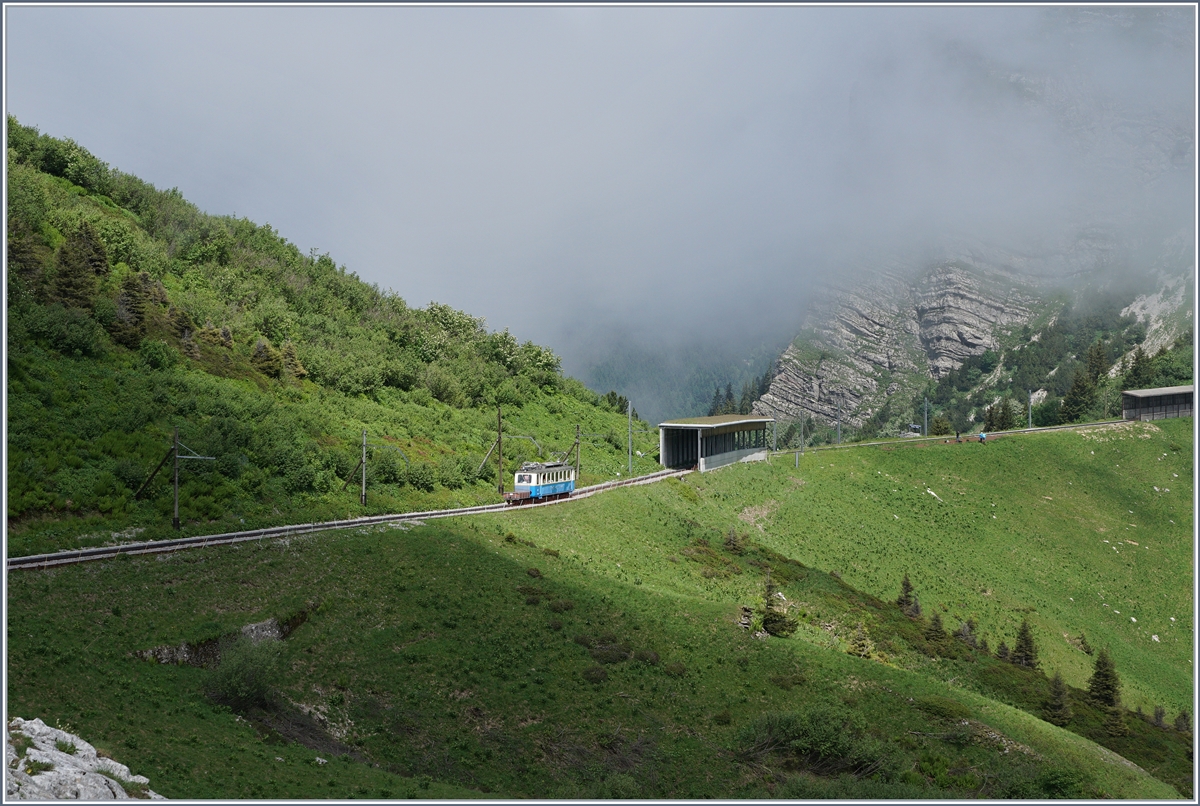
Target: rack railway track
pixel 39 561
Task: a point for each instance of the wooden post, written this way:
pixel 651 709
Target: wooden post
pixel 362 498
pixel 175 454
pixel 577 481
pixel 499 452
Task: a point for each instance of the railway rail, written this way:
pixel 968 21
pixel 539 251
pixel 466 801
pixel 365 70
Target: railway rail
pixel 38 561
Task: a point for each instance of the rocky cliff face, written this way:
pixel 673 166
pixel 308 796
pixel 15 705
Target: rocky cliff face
pixel 45 763
pixel 891 335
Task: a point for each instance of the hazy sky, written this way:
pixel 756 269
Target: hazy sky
pixel 569 171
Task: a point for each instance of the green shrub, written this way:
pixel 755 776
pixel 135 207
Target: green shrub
pixel 65 746
pixel 158 354
pixel 675 669
pixel 943 707
pixel 35 767
pixel 825 738
pixel 595 674
pixel 450 474
pixel 778 624
pixel 561 605
pixel 421 476
pixel 610 653
pixel 244 677
pixel 70 331
pixel 647 656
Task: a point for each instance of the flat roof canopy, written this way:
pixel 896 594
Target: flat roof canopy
pixel 717 421
pixel 1165 390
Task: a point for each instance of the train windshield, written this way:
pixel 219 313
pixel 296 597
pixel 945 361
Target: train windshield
pixel 524 478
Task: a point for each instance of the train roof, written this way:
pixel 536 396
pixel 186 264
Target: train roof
pixel 537 466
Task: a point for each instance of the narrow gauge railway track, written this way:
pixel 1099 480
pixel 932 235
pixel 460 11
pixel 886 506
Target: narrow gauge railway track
pixel 37 561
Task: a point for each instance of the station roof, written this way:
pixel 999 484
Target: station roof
pixel 1165 390
pixel 717 421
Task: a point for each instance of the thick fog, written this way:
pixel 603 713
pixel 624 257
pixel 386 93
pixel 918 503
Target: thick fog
pixel 665 176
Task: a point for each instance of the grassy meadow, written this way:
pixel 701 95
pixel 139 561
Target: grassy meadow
pixel 593 650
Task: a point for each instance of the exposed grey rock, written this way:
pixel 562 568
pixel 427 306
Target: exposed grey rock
pixel 81 775
pixel 892 335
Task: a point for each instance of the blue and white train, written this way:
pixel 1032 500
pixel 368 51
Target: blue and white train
pixel 536 482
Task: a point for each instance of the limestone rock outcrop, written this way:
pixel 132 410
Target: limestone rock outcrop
pixel 45 763
pixel 891 335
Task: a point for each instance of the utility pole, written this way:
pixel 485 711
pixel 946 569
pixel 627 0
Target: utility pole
pixel 577 453
pixel 499 452
pixel 362 498
pixel 629 405
pixel 1031 408
pixel 839 434
pixel 926 431
pixel 175 452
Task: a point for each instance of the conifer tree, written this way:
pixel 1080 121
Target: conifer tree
pixel 1160 716
pixel 935 633
pixel 715 407
pixel 291 361
pixel 1058 707
pixel 1097 360
pixel 1079 398
pixel 80 258
pixel 1024 652
pixel 1114 721
pixel 862 645
pixel 966 633
pixel 266 358
pixel 1141 370
pixel 1183 722
pixel 1104 687
pixel 1002 651
pixel 906 594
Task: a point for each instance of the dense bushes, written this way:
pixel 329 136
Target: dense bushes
pixel 245 676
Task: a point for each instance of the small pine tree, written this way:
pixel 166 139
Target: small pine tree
pixel 1160 716
pixel 966 633
pixel 1183 722
pixel 1058 707
pixel 714 408
pixel 1114 721
pixel 1002 651
pixel 267 359
pixel 934 632
pixel 80 258
pixel 905 600
pixel 1104 687
pixel 983 646
pixel 915 610
pixel 1085 646
pixel 291 361
pixel 1079 398
pixel 1024 652
pixel 862 645
pixel 1141 370
pixel 1097 360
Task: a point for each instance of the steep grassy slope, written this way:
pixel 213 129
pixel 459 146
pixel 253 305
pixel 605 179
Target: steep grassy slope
pixel 131 313
pixel 1026 526
pixel 439 651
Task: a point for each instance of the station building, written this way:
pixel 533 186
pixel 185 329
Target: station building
pixel 706 443
pixel 1157 404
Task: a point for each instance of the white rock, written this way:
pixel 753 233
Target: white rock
pixel 1155 639
pixel 75 776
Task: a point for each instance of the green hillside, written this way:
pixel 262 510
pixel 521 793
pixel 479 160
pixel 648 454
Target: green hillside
pixel 630 644
pixel 592 649
pixel 131 313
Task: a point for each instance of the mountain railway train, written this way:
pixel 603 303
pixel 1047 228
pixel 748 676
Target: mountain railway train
pixel 537 481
